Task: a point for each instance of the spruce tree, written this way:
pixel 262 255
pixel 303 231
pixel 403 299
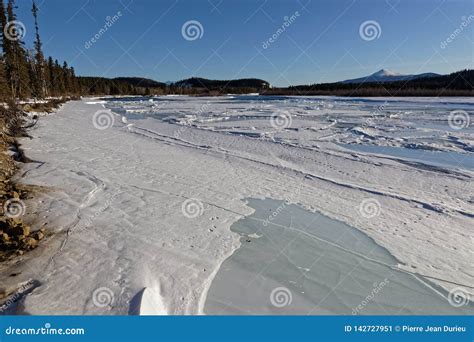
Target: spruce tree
pixel 23 72
pixel 6 49
pixel 67 78
pixel 59 78
pixel 39 84
pixel 74 83
pixel 51 77
pixel 4 85
pixel 18 63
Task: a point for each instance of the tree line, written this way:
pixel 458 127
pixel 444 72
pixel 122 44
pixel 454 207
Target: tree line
pixel 120 86
pixel 26 72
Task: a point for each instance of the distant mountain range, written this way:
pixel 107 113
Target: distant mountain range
pixel 381 83
pixel 384 75
pixel 456 84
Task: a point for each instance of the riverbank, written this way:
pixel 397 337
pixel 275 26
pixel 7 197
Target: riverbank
pixel 19 230
pixel 16 236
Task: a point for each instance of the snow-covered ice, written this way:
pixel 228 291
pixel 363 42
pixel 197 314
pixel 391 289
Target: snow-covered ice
pixel 143 193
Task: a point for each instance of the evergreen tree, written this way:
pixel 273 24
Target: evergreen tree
pixel 67 78
pixel 51 77
pixel 74 83
pixel 58 78
pixel 6 49
pixel 17 65
pixel 39 84
pixel 24 72
pixel 4 85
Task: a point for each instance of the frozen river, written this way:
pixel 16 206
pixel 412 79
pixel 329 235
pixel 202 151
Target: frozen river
pixel 152 193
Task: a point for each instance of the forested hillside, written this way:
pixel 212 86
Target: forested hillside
pixel 456 84
pixel 120 86
pixel 24 71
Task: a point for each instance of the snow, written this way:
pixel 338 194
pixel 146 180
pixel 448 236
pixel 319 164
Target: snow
pixel 149 204
pixel 385 75
pixel 97 102
pixel 152 303
pixel 385 72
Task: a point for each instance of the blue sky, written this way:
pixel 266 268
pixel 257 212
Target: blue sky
pixel 322 44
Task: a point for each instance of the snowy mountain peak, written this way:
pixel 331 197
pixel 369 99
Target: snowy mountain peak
pixel 384 73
